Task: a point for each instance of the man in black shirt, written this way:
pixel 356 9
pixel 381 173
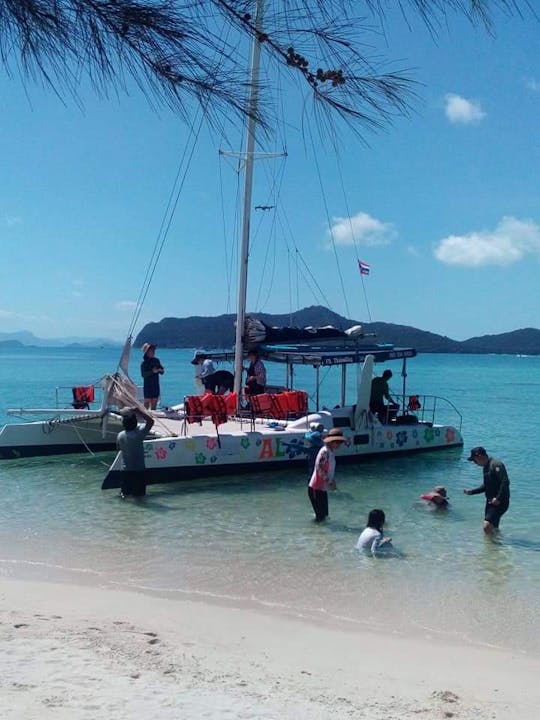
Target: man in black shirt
pixel 496 487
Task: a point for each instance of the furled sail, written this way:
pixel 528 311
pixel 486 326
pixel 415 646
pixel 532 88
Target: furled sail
pixel 258 332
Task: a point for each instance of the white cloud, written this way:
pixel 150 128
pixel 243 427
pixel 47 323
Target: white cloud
pixel 460 110
pixel 125 305
pixel 12 220
pixel 362 229
pixel 533 84
pixel 508 243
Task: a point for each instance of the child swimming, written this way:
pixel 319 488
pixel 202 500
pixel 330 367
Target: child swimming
pixel 371 538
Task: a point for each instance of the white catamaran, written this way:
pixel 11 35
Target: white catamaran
pixel 213 435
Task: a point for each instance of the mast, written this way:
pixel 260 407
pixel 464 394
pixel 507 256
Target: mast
pixel 248 187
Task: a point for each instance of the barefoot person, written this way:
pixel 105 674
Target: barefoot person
pixel 151 369
pixel 129 442
pixel 496 487
pixel 322 478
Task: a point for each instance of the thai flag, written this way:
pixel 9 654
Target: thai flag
pixel 363 267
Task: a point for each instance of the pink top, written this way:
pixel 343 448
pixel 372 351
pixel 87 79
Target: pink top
pixel 323 472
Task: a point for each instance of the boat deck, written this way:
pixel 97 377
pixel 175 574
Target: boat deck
pixel 178 427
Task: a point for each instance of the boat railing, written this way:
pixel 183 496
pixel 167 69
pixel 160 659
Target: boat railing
pixel 64 396
pixel 429 409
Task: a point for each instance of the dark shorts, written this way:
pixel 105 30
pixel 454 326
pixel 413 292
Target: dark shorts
pixel 133 482
pixel 494 513
pixel 253 388
pixel 151 388
pixel 209 382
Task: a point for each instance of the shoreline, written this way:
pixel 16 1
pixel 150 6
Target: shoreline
pixel 415 631
pixel 79 652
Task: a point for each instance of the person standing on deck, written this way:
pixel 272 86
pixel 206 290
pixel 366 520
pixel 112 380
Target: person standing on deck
pixel 206 371
pixel 256 375
pixel 129 442
pixel 322 478
pixel 495 486
pixel 379 392
pixel 151 369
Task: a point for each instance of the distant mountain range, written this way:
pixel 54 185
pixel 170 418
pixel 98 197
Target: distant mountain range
pixel 218 332
pixel 24 338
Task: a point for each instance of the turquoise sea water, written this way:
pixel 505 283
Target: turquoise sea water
pixel 252 540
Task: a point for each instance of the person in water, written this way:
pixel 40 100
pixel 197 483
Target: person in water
pixel 372 537
pixel 495 486
pixel 151 369
pixel 322 478
pixel 129 442
pixel 438 496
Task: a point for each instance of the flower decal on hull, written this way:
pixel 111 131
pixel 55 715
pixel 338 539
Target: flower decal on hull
pixel 401 438
pixel 294 448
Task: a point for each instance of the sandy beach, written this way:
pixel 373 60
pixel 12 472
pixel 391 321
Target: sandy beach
pixel 79 652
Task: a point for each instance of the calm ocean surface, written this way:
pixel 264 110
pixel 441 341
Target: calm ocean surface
pixel 252 540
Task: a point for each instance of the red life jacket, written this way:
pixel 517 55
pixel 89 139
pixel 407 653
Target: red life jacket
pixel 83 395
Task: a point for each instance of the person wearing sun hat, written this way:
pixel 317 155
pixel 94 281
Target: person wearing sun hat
pixel 151 369
pixel 322 478
pixel 495 486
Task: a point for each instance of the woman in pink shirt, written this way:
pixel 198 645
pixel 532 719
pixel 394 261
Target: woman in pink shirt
pixel 322 478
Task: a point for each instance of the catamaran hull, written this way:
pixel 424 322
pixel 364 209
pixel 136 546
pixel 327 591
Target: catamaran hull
pixel 191 458
pixel 57 437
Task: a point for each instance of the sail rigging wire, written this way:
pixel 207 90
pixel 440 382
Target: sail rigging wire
pixel 172 204
pixel 168 215
pixel 309 279
pixel 274 202
pixel 229 249
pixel 332 237
pixel 353 234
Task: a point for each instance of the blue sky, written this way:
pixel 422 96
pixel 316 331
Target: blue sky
pixel 444 203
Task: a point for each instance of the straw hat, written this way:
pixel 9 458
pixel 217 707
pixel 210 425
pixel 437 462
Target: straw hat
pixel 148 346
pixel 335 435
